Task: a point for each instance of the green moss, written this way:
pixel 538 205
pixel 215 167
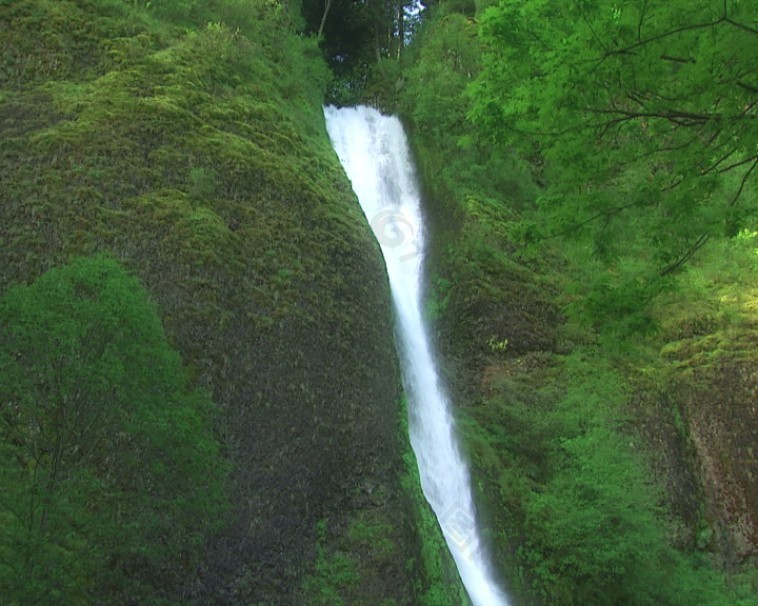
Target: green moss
pixel 351 552
pixel 712 317
pixel 333 574
pixel 196 154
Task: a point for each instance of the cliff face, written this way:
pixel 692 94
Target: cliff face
pixel 198 158
pixel 715 390
pixel 720 411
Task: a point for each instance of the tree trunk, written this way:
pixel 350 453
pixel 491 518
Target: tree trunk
pixel 400 28
pixel 327 6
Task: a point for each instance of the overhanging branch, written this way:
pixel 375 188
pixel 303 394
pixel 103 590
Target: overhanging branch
pixel 701 241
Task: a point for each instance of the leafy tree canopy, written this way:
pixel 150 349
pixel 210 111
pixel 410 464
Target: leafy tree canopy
pixel 640 116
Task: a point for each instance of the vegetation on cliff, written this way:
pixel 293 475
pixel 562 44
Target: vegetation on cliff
pixel 589 170
pixel 111 472
pixel 589 176
pixel 185 140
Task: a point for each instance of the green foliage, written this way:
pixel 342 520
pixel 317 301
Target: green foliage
pixel 593 536
pixel 616 301
pixel 111 475
pixel 639 121
pixel 448 60
pixel 385 79
pixel 461 169
pixel 574 494
pixel 477 187
pixel 356 39
pixel 617 206
pixel 177 11
pixel 333 574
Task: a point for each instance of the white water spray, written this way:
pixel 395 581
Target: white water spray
pixel 375 154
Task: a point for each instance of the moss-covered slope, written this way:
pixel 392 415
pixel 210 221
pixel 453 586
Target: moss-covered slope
pixel 197 156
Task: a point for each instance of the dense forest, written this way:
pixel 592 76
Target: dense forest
pixel 199 393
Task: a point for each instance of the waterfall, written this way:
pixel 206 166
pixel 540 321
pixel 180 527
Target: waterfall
pixel 375 154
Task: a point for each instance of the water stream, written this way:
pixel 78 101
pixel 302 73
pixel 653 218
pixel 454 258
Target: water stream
pixel 374 152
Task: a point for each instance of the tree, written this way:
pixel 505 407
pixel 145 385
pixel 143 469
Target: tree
pixel 639 115
pixel 356 36
pixel 327 6
pixel 111 475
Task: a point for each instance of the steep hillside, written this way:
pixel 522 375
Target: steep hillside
pixel 186 141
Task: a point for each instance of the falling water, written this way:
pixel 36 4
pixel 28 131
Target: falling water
pixel 374 152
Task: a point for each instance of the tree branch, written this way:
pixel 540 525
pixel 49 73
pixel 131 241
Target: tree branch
pixel 673 32
pixel 736 164
pixel 738 25
pixel 745 177
pixel 327 6
pixel 700 242
pixel 642 18
pixel 719 161
pixel 746 86
pixel 605 213
pixel 589 25
pixel 664 114
pixel 678 59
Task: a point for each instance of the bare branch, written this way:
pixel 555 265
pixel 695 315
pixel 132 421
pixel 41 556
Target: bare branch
pixel 742 26
pixel 604 213
pixel 736 164
pixel 719 161
pixel 673 32
pixel 700 242
pixel 327 6
pixel 745 177
pixel 592 30
pixel 642 18
pixel 678 59
pixel 746 86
